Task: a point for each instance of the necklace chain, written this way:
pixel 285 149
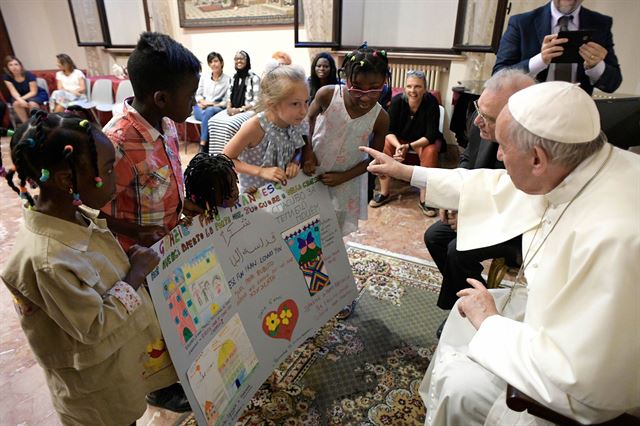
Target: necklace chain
pixel 525 262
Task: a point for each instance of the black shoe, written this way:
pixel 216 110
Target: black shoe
pixel 171 398
pixel 439 330
pixel 379 199
pixel 427 211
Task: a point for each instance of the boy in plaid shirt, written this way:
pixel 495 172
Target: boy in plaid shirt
pixel 149 196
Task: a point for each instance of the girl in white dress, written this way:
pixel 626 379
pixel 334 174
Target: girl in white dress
pixel 341 119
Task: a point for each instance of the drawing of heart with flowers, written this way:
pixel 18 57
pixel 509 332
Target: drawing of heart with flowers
pixel 279 324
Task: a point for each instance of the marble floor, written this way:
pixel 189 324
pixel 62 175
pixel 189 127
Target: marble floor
pixel 397 227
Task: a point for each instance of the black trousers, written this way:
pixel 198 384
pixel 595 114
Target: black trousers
pixel 456 266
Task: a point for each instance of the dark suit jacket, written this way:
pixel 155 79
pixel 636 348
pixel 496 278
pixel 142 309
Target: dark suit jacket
pixel 521 42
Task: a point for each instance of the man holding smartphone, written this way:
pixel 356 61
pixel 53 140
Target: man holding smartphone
pixel 531 43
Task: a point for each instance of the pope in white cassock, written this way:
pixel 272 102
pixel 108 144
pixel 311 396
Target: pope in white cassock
pixel 570 338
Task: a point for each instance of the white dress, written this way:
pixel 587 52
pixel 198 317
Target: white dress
pixel 336 139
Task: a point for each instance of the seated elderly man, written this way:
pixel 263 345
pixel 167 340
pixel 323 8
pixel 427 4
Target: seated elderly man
pixel 569 338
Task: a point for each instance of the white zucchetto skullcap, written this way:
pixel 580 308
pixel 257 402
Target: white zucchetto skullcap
pixel 556 110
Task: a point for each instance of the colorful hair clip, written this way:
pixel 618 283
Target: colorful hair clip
pixel 30 142
pixel 193 197
pixel 32 183
pixel 353 58
pixel 68 149
pixel 375 53
pixel 361 63
pixel 76 199
pixel 98 181
pixel 384 53
pixel 84 124
pixel 23 192
pixel 44 175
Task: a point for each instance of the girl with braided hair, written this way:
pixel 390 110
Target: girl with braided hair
pixel 89 321
pixel 211 182
pixel 341 119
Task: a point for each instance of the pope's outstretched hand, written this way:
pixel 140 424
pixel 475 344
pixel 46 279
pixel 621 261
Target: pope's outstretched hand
pixel 382 165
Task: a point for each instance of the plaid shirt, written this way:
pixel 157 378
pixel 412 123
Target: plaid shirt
pixel 149 182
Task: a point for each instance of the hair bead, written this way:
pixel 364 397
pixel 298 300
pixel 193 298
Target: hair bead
pixel 3 171
pixel 76 199
pixel 31 143
pixel 84 124
pixel 44 175
pixel 23 192
pixel 68 149
pixel 98 181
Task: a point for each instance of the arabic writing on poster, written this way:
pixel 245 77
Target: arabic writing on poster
pixel 236 294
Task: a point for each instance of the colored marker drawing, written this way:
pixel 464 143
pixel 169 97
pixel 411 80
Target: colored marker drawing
pixel 221 369
pixel 195 293
pixel 304 242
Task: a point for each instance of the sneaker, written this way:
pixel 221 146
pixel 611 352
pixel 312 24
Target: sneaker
pixel 379 199
pixel 171 398
pixel 427 211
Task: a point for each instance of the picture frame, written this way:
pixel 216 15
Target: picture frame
pixel 229 13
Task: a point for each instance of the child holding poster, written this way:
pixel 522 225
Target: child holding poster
pixel 346 120
pixel 88 318
pixel 266 149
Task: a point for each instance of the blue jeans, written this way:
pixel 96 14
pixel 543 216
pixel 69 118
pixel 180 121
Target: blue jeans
pixel 204 116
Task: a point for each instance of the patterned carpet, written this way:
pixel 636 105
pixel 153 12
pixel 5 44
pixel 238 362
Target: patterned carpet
pixel 365 370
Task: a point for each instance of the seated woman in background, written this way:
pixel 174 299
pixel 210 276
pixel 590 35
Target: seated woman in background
pixel 210 96
pixel 414 121
pixel 282 58
pixel 71 84
pixel 23 88
pixel 323 72
pixel 240 101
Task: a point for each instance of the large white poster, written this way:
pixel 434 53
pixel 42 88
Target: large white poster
pixel 235 295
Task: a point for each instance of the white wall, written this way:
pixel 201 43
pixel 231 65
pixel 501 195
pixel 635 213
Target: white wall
pixel 39 30
pixel 260 42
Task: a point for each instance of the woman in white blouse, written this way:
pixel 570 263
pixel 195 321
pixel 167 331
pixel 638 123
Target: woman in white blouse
pixel 210 96
pixel 71 84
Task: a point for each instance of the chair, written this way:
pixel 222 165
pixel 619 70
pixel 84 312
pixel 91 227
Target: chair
pixel 518 401
pixel 88 104
pixel 102 95
pixel 190 120
pixel 124 91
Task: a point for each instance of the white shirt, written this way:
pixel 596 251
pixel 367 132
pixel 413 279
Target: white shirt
pixel 72 81
pixel 212 90
pixel 537 65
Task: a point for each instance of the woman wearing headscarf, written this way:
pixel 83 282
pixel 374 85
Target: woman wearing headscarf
pixel 241 100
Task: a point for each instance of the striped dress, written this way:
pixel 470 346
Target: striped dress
pixel 222 126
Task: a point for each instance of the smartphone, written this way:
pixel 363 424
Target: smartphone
pixel 571 52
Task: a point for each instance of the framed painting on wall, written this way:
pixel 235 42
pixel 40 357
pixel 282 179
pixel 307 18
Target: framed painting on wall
pixel 225 13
